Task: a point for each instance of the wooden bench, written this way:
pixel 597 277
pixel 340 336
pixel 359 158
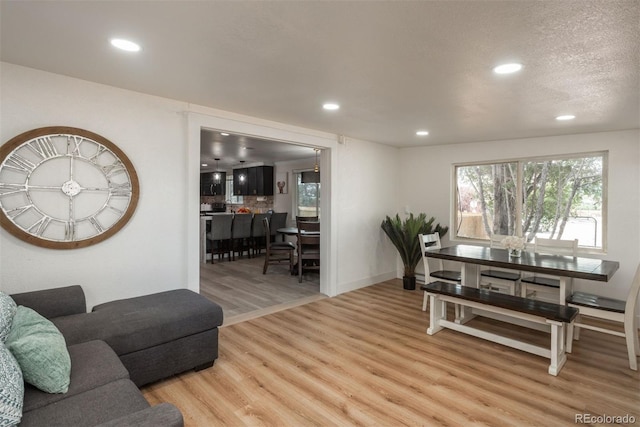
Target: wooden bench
pixel 553 316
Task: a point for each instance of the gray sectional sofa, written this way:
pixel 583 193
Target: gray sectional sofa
pixel 118 347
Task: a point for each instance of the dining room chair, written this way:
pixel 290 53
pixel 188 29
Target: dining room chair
pixel 499 279
pixel 545 287
pixel 308 247
pixel 220 235
pixel 306 218
pixel 432 242
pixel 277 220
pixel 276 252
pixel 257 233
pixel 599 307
pixel 241 234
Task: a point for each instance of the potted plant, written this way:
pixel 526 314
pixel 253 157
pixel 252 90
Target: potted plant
pixel 404 236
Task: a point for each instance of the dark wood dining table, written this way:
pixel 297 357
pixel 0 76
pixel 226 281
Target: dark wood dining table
pixel 293 231
pixel 562 266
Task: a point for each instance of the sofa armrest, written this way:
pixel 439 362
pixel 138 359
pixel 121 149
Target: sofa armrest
pixel 55 302
pixel 164 414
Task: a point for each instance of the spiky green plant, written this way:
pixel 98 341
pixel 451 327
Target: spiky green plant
pixel 404 236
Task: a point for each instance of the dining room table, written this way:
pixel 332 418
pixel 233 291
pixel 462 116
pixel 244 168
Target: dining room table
pixel 293 231
pixel 564 267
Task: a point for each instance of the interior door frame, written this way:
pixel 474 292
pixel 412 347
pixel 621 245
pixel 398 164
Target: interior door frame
pixel 195 121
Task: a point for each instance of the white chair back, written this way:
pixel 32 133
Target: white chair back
pixel 555 246
pixel 429 242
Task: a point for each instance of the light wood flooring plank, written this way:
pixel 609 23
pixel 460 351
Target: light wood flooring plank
pixel 364 359
pixel 239 286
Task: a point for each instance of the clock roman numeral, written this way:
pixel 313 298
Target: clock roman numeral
pixel 120 190
pixel 99 151
pixel 113 169
pixel 15 212
pixel 96 224
pixel 43 147
pixel 73 145
pixel 7 189
pixel 70 231
pixel 40 226
pixel 19 163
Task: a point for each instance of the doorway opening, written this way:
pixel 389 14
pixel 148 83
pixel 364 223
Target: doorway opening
pixel 239 285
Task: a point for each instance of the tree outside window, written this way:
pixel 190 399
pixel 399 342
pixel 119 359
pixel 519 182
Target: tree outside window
pixel 307 200
pixel 557 198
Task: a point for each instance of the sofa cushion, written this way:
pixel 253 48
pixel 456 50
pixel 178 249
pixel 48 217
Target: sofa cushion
pixel 40 350
pixel 138 323
pixel 11 388
pixel 164 414
pixel 93 364
pixel 7 311
pixel 99 405
pixel 54 302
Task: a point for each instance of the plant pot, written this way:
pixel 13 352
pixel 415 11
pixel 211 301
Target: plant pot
pixel 409 283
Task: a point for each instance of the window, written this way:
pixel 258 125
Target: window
pixel 557 198
pixel 236 200
pixel 307 193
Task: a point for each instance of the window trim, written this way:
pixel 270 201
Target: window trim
pixel 520 162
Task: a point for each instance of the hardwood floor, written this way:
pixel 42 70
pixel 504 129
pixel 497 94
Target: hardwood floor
pixel 364 358
pixel 242 291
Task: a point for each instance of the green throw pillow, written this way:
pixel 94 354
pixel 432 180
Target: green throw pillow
pixel 7 311
pixel 40 350
pixel 11 389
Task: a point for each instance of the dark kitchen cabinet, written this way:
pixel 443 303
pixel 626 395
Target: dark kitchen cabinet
pixel 213 183
pixel 240 187
pixel 263 180
pixel 254 181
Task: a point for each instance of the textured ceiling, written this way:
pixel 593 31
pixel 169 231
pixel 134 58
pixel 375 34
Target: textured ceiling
pixel 395 67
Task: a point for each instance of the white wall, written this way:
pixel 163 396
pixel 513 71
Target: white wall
pixel 158 249
pixel 148 254
pixel 426 186
pixel 368 190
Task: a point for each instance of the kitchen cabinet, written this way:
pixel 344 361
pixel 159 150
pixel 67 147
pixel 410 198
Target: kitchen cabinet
pixel 240 187
pixel 253 181
pixel 210 186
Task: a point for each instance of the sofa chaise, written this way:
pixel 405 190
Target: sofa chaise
pixel 118 347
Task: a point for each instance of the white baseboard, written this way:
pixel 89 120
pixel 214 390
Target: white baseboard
pixel 357 284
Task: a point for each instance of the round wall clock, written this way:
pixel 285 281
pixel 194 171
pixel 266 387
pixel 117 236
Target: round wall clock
pixel 65 188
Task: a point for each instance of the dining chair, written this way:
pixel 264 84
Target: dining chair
pixel 499 279
pixel 542 286
pixel 276 252
pixel 306 218
pixel 257 233
pixel 596 306
pixel 277 220
pixel 220 235
pixel 241 234
pixel 431 242
pixel 308 247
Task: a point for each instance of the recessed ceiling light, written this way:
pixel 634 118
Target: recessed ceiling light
pixel 566 117
pixel 224 134
pixel 331 106
pixel 204 165
pixel 507 68
pixel 422 133
pixel 127 45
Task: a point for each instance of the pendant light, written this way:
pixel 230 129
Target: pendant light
pixel 309 177
pixel 217 177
